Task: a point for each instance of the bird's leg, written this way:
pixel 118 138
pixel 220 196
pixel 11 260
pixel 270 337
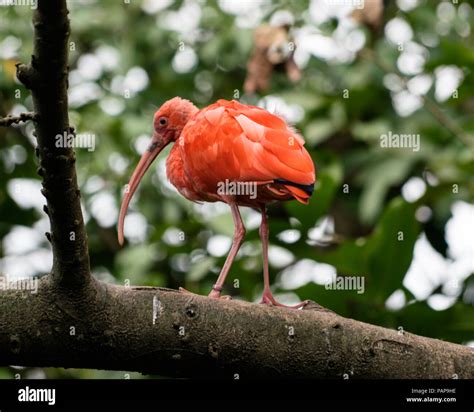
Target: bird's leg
pixel 239 233
pixel 267 297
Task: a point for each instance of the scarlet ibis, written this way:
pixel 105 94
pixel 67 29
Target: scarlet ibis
pixel 230 152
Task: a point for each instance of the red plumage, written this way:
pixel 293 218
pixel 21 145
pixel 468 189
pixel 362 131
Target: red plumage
pixel 229 144
pixel 240 143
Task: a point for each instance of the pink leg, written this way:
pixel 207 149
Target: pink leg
pixel 239 233
pixel 267 296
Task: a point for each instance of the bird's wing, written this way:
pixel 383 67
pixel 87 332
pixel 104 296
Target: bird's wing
pixel 229 140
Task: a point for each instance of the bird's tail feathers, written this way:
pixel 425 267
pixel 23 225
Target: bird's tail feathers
pixel 299 194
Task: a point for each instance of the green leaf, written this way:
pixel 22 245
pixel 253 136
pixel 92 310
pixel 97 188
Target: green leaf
pixel 319 130
pixel 200 269
pixel 378 178
pixel 135 261
pixel 307 100
pixel 370 131
pixel 390 248
pixel 455 324
pixel 222 224
pixel 349 258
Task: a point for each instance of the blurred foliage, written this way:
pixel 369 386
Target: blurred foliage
pixel 359 182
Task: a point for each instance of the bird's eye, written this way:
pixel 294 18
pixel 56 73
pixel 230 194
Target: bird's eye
pixel 163 121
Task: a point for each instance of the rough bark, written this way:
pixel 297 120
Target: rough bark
pixel 47 78
pixel 164 332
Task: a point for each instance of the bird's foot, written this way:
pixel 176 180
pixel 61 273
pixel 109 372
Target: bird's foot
pixel 216 293
pixel 268 299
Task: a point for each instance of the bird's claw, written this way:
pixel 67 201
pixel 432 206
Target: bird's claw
pixel 216 294
pixel 268 299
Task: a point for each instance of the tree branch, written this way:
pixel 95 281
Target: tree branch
pixel 23 117
pixel 46 77
pixel 161 331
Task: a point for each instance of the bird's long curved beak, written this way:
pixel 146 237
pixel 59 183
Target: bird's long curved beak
pixel 146 160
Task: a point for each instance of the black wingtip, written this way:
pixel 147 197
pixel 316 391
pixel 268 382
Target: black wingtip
pixel 309 189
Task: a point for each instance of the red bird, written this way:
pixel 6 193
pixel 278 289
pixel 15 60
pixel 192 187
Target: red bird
pixel 230 152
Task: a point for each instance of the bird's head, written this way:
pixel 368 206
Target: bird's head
pixel 168 122
pixel 170 119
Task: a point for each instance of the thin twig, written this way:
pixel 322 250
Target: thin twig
pixel 447 122
pixel 23 117
pixel 430 105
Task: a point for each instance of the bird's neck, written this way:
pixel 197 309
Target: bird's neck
pixel 175 170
